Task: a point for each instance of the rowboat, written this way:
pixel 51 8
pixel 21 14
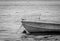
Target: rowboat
pixel 32 25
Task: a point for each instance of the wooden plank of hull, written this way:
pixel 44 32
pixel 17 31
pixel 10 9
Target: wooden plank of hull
pixel 36 27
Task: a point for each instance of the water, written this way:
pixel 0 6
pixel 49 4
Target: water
pixel 10 19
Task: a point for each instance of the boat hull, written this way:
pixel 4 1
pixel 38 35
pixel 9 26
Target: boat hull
pixel 38 27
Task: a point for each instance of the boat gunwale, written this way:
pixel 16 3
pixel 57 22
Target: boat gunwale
pixel 42 22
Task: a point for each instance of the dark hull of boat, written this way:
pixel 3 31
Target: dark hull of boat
pixel 38 27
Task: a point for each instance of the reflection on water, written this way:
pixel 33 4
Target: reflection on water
pixel 26 37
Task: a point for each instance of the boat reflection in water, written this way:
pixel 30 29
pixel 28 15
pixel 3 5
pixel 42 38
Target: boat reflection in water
pixel 40 26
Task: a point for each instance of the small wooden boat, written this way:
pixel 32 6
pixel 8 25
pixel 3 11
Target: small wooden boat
pixel 41 25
